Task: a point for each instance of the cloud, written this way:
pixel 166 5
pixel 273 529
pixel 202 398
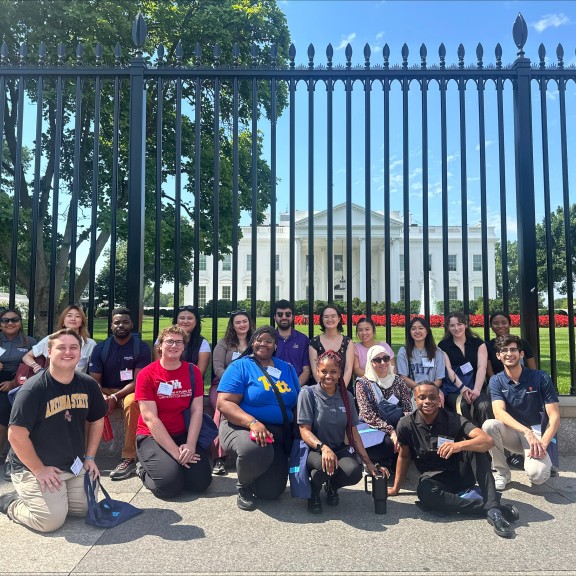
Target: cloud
pixel 550 20
pixel 345 41
pixel 380 35
pixel 552 95
pixel 486 144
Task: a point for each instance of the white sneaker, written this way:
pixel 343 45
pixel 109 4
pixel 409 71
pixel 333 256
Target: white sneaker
pixel 501 482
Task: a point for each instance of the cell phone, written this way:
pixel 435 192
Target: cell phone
pixel 253 437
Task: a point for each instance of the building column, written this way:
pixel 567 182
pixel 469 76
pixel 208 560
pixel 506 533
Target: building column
pixel 362 269
pixel 395 270
pixel 297 267
pixel 381 276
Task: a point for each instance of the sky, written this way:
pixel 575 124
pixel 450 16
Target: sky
pixel 378 22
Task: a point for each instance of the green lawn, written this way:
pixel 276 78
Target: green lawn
pixel 562 361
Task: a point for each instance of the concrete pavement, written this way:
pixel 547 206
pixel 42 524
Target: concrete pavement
pixel 210 535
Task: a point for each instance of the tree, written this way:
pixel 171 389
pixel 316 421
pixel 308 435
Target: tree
pixel 208 22
pixel 513 279
pixel 558 264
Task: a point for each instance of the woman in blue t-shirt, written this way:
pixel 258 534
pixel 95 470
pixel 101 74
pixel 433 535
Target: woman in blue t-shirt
pixel 256 395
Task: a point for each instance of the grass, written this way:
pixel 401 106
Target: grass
pixel 562 343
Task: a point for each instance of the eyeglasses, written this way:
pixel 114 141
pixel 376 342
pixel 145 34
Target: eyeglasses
pixel 381 359
pixel 331 317
pixel 511 350
pixel 265 342
pixel 282 314
pixel 239 311
pixel 171 343
pixel 13 320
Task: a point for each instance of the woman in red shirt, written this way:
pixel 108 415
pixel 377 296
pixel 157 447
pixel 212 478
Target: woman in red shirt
pixel 169 459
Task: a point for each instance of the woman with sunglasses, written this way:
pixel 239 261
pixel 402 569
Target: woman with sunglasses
pixel 366 332
pixel 170 461
pixel 13 345
pixel 383 398
pixel 235 342
pixel 197 350
pixel 256 396
pixel 72 317
pixel 332 339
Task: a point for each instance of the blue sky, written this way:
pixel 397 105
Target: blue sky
pixel 431 22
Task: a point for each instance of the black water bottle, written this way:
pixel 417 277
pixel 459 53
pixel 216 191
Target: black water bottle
pixel 379 491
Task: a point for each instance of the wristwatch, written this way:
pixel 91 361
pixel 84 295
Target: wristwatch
pixel 319 447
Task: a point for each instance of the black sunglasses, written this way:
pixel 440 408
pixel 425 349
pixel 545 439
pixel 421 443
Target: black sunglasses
pixel 14 320
pixel 239 311
pixel 282 314
pixel 380 359
pixel 187 309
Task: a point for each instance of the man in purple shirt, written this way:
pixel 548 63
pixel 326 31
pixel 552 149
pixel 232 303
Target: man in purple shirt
pixel 292 345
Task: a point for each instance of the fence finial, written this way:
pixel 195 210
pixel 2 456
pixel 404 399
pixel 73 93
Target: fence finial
pixel 520 34
pixel 423 54
pixel 139 33
pixel 329 56
pixel 560 56
pixel 442 55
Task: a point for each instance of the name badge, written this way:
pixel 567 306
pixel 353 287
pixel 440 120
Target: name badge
pixel 466 368
pixel 427 363
pixel 165 389
pixel 273 371
pixel 76 466
pixel 393 400
pixel 126 375
pixel 443 440
pixel 2 350
pixel 235 355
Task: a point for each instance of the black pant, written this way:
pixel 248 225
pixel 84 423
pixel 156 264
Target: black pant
pixel 383 453
pixel 482 408
pixel 265 469
pixel 348 472
pixel 164 476
pixel 441 491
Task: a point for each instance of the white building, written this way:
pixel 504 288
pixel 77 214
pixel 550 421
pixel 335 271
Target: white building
pixel 359 248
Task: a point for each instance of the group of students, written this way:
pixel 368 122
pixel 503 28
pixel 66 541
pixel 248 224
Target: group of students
pixel 269 385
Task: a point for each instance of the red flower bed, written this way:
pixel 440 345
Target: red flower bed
pixel 436 320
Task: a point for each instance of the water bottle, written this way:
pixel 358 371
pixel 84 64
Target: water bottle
pixel 379 491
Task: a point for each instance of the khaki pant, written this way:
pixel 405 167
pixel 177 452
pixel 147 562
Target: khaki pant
pixel 130 412
pixel 47 511
pixel 537 470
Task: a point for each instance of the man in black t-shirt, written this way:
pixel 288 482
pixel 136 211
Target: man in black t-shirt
pixel 450 454
pixel 47 431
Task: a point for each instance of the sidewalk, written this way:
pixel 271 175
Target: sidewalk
pixel 210 535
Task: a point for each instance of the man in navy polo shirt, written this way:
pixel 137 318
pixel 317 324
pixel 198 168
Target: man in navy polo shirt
pixel 114 364
pixel 292 345
pixel 519 398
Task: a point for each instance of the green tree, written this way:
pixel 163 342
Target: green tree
pixel 108 22
pixel 558 264
pixel 513 279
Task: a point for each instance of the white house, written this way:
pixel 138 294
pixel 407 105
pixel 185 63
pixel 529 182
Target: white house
pixel 359 248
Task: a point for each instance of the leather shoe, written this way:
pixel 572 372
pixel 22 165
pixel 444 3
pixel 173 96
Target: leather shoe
pixel 315 504
pixel 510 512
pixel 498 522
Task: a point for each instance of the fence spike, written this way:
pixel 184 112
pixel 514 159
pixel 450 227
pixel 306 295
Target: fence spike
pixel 217 53
pixel 117 54
pixel 542 55
pixel 254 54
pixel 179 53
pixel 79 53
pixel 22 54
pixel 61 54
pixel 42 50
pixel 292 55
pixel 274 54
pixel 348 53
pixel 520 34
pixel 98 52
pixel 423 54
pixel 160 51
pixel 498 54
pixel 4 54
pixel 461 54
pixel 479 55
pixel 236 54
pixel 560 55
pixel 442 55
pixel 311 53
pixel 405 53
pixel 198 54
pixel 329 55
pixel 139 33
pixel 386 55
pixel 367 53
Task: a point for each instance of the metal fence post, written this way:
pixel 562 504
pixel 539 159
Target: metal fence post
pixel 136 178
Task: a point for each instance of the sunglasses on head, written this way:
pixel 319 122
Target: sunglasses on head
pixel 381 359
pixel 187 309
pixel 14 320
pixel 239 311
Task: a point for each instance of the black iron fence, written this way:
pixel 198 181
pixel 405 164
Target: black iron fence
pixel 377 181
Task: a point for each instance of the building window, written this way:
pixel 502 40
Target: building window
pixel 477 292
pixel 249 262
pixel 429 262
pixel 226 292
pixel 339 297
pixel 402 293
pixel 227 263
pixel 338 263
pixel 401 262
pixel 277 262
pixel 202 296
pixel 202 263
pixel 248 292
pixel 452 263
pixel 453 293
pixel 477 263
pixel 277 293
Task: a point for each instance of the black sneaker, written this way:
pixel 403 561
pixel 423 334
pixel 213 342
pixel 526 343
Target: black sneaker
pixel 126 468
pixel 315 504
pixel 219 468
pixel 6 500
pixel 140 471
pixel 516 461
pixel 246 499
pixel 332 498
pixel 7 471
pixel 499 523
pixel 554 472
